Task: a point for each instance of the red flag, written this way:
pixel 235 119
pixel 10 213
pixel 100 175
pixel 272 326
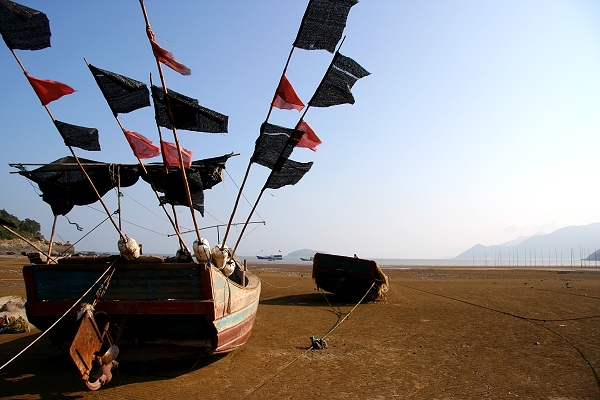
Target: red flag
pixel 141 146
pixel 171 156
pixel 48 90
pixel 286 97
pixel 165 56
pixel 309 140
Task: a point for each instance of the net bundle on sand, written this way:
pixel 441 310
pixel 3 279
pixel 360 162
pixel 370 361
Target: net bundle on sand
pixel 381 286
pixel 13 318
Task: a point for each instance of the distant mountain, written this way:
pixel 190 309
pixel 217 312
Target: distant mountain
pixel 518 240
pixel 594 256
pixel 580 240
pixel 302 253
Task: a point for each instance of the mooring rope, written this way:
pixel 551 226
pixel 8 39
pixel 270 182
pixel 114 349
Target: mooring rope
pixel 500 311
pixel 279 287
pixel 308 349
pixel 535 321
pixel 64 315
pixel 337 312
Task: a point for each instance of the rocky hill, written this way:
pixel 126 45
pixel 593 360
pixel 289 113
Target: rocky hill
pixel 17 247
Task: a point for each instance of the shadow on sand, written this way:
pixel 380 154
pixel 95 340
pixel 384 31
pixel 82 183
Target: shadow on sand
pixel 44 372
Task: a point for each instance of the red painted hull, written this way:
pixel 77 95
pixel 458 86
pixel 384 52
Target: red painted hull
pixel 186 309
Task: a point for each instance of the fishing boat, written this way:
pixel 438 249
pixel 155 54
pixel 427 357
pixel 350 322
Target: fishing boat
pixel 350 277
pixel 311 258
pixel 272 257
pixel 139 306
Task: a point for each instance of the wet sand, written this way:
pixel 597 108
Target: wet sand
pixel 442 333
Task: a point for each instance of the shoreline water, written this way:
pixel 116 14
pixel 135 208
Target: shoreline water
pixel 425 262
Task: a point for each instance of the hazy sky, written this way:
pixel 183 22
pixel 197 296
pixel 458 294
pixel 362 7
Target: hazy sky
pixel 479 122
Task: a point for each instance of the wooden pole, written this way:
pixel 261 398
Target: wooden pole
pixel 237 200
pixel 52 238
pixel 175 136
pixel 123 237
pixel 173 223
pixel 29 243
pixel 247 222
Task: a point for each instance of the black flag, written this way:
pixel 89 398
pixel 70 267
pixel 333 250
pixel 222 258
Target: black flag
pixel 289 174
pixel 323 24
pixel 23 28
pixel 187 114
pixel 339 79
pixel 79 136
pixel 275 145
pixel 122 94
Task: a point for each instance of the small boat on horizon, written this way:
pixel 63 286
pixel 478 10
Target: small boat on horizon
pixel 271 257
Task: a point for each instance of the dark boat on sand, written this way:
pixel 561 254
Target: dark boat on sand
pixel 350 277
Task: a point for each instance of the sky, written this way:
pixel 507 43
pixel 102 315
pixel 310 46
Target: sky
pixel 479 122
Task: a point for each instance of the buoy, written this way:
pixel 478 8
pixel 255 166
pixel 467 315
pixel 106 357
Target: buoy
pixel 129 249
pixel 202 250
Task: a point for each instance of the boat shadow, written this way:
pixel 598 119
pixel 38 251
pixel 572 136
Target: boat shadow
pixel 309 300
pixel 46 373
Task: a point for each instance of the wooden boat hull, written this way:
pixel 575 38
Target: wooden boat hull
pixel 349 277
pixel 157 310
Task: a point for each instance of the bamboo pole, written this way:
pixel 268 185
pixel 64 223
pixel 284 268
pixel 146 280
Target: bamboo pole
pixel 271 174
pixel 141 164
pixel 239 195
pixel 175 136
pixel 29 243
pixel 123 237
pixel 52 237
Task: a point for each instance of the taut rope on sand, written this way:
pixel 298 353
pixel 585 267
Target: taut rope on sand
pixel 310 348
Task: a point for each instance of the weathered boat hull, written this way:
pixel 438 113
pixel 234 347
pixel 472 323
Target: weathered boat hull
pixel 157 310
pixel 349 277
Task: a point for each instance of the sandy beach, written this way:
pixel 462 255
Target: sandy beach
pixel 442 333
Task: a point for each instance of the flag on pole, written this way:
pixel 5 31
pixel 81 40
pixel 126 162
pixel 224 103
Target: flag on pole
pixel 335 87
pixel 323 24
pixel 274 145
pixel 165 56
pixel 48 90
pixel 142 147
pixel 79 136
pixel 171 155
pixel 122 94
pixel 23 28
pixel 286 97
pixel 174 190
pixel 187 113
pixel 290 173
pixel 309 140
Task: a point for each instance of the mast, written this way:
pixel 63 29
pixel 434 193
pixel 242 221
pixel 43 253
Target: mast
pixel 291 139
pixel 237 200
pixel 108 213
pixel 175 136
pixel 141 164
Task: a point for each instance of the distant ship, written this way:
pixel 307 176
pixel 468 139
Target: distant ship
pixel 272 257
pixel 307 259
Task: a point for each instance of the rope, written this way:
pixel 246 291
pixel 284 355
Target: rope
pixel 530 320
pixel 348 315
pixel 499 311
pixel 337 312
pixel 309 349
pixel 279 287
pixel 64 315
